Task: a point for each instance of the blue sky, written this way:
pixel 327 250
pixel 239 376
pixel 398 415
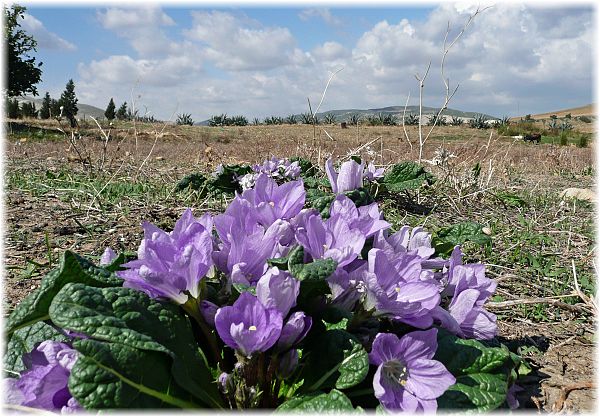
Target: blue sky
pixel 261 61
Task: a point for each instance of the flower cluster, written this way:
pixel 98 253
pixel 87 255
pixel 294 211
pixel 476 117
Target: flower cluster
pixel 220 269
pixel 278 169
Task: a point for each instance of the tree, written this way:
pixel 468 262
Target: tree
pixel 23 71
pixel 45 110
pixel 54 108
pixel 122 112
pixel 68 101
pixel 12 109
pixel 110 110
pixel 28 109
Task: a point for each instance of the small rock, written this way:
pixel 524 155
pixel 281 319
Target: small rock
pixel 160 158
pixel 583 194
pixel 487 231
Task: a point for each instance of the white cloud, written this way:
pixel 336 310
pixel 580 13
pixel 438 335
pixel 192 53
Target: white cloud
pixel 321 13
pixel 45 38
pixel 230 63
pixel 241 44
pixel 141 27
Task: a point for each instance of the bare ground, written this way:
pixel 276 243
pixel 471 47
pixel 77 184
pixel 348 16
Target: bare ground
pixel 54 202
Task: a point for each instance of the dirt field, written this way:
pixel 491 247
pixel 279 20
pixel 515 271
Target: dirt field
pixel 90 193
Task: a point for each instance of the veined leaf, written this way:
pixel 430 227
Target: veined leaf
pixel 332 402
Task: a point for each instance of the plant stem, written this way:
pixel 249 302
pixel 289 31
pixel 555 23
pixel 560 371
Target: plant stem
pixel 192 309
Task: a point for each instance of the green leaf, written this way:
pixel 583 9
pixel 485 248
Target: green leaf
pixel 511 199
pixel 226 180
pixel 405 176
pixel 345 365
pixel 114 375
pixel 466 356
pixel 130 318
pixel 360 196
pixel 447 238
pixel 24 340
pixel 307 168
pixel 479 392
pixel 332 402
pixel 317 270
pixel 195 181
pixel 116 263
pixel 72 268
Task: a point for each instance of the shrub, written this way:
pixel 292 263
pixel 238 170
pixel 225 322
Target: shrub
pixel 329 119
pixel 28 109
pixel 239 121
pixel 478 122
pixel 307 118
pixel 373 120
pixel 256 122
pixel 585 119
pixel 12 109
pixel 563 138
pixel 291 120
pixel 354 119
pixel 184 119
pixel 583 140
pixel 456 121
pixel 411 119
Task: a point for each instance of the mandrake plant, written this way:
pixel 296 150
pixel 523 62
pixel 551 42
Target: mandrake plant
pixel 299 297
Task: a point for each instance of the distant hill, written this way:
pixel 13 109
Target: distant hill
pixel 398 111
pixel 85 110
pixel 589 110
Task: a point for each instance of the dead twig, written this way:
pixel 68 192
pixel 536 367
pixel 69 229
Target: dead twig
pixel 559 404
pixel 538 300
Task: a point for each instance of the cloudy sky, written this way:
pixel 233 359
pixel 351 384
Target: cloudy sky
pixel 260 61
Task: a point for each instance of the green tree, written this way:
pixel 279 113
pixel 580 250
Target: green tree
pixel 68 100
pixel 54 108
pixel 110 110
pixel 12 109
pixel 28 109
pixel 23 71
pixel 45 110
pixel 122 112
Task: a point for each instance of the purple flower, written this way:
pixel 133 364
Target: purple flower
pixel 467 306
pixel 367 219
pixel 170 264
pixel 278 168
pixel 294 330
pixel 372 173
pixel 246 258
pixel 44 383
pixel 208 311
pixel 287 363
pixel 330 239
pixel 272 201
pixel 247 326
pixel 397 290
pixel 405 240
pixel 350 176
pixel 107 257
pixel 511 396
pixel 407 378
pixel 278 289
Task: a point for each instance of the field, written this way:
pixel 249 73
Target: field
pixel 89 193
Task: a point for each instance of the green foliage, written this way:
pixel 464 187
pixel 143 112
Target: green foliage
pixel 564 138
pixel 445 239
pixel 329 119
pixel 568 116
pixel 585 119
pixel 71 268
pixel 373 120
pixel 273 120
pixel 528 117
pixel 583 140
pixel 13 111
pixel 122 112
pixel 54 108
pixel 23 71
pixel 511 199
pixel 307 118
pixel 566 125
pixel 345 365
pixel 45 110
pixel 433 121
pixel 456 121
pixel 333 402
pixel 291 120
pixel 24 340
pixel 239 121
pixel 405 176
pixel 110 113
pixel 354 119
pixel 28 109
pixel 478 122
pixel 483 373
pixel 68 100
pixel 134 337
pixel 411 119
pixel 184 119
pixel 256 122
pixel 223 182
pixel 317 270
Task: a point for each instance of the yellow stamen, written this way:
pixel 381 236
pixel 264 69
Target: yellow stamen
pixel 397 289
pixel 271 203
pixel 253 328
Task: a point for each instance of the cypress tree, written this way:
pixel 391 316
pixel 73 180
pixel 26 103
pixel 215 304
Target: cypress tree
pixel 68 100
pixel 122 112
pixel 45 110
pixel 110 110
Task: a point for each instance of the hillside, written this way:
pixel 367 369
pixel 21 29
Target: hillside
pixel 398 111
pixel 588 110
pixel 85 110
